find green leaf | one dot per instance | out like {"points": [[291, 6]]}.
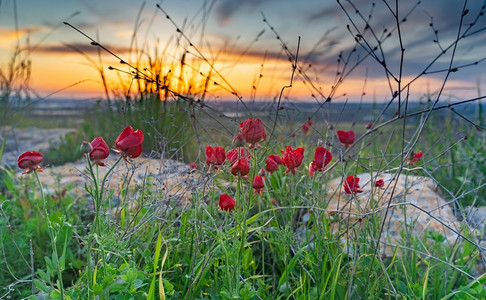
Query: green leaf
{"points": [[41, 285], [43, 275], [2, 148], [161, 283]]}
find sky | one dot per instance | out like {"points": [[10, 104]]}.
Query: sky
{"points": [[346, 51]]}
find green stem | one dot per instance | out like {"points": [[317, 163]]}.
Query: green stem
{"points": [[96, 227], [99, 190], [241, 199], [52, 236]]}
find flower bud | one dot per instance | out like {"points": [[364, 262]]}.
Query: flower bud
{"points": [[86, 147]]}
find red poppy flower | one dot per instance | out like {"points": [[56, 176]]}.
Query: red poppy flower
{"points": [[253, 131], [241, 167], [258, 184], [306, 126], [215, 156], [272, 163], [129, 142], [193, 165], [100, 151], [30, 161], [380, 183], [226, 202], [351, 185], [233, 154], [416, 157], [346, 137], [322, 157], [292, 158]]}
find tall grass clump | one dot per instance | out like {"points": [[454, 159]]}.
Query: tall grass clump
{"points": [[14, 84], [335, 202]]}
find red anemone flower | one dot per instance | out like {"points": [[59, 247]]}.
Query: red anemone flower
{"points": [[100, 151], [292, 158], [241, 167], [253, 131], [258, 184], [226, 202], [129, 142], [272, 163], [351, 185], [416, 157], [380, 183], [30, 161], [215, 156], [322, 157], [346, 137], [306, 126]]}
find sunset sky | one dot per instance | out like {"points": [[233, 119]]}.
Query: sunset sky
{"points": [[239, 46]]}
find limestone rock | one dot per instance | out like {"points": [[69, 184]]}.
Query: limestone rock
{"points": [[20, 140], [412, 203], [476, 216], [170, 180]]}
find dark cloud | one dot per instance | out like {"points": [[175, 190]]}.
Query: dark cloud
{"points": [[114, 11], [325, 13], [423, 47], [227, 8], [85, 48]]}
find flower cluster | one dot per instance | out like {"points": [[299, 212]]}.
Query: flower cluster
{"points": [[251, 133]]}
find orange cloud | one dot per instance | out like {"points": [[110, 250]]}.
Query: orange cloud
{"points": [[10, 37]]}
